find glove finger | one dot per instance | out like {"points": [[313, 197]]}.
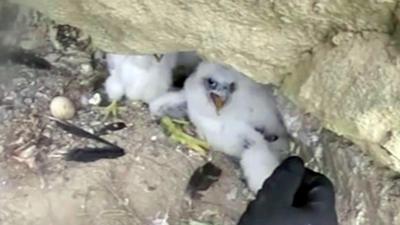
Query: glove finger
{"points": [[321, 194], [279, 189]]}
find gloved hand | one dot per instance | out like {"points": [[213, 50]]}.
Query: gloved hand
{"points": [[293, 195]]}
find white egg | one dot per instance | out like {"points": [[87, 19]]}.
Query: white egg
{"points": [[62, 108]]}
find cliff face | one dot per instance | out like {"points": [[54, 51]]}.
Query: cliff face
{"points": [[338, 60], [335, 59]]}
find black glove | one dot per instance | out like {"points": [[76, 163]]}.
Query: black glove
{"points": [[293, 195]]}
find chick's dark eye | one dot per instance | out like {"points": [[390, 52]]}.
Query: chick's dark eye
{"points": [[232, 87], [271, 138], [212, 84]]}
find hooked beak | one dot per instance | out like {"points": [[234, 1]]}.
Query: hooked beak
{"points": [[158, 57], [218, 101]]}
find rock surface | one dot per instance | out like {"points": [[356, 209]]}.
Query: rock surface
{"points": [[362, 187], [336, 59]]}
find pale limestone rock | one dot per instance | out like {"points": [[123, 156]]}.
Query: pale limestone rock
{"points": [[261, 38], [354, 89], [333, 57]]}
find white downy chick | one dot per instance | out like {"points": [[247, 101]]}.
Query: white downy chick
{"points": [[235, 115], [139, 77], [220, 100]]}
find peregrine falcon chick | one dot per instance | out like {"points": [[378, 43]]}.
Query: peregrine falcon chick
{"points": [[138, 77], [234, 114], [217, 96]]}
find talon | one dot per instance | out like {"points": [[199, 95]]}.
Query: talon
{"points": [[175, 132], [112, 110]]}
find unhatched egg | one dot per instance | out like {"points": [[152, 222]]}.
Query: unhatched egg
{"points": [[62, 108]]}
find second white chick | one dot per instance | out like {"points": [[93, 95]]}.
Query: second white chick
{"points": [[139, 77]]}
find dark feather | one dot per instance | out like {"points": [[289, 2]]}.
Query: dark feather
{"points": [[93, 154], [72, 129], [20, 56], [111, 127], [202, 179], [112, 151]]}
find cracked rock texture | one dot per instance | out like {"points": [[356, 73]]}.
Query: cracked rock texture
{"points": [[336, 59]]}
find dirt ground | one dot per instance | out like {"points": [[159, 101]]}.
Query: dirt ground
{"points": [[147, 185], [37, 186]]}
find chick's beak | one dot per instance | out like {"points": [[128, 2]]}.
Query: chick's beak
{"points": [[218, 101]]}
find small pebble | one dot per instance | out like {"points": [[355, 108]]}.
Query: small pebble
{"points": [[95, 123], [86, 69], [95, 99], [153, 138], [126, 202], [232, 194], [62, 108], [28, 101]]}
